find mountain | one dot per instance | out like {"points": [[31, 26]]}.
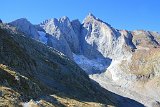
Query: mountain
{"points": [[31, 70], [121, 61], [134, 55], [100, 39], [134, 59], [49, 35], [34, 74]]}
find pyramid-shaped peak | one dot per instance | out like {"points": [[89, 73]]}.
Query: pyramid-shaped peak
{"points": [[22, 20], [90, 15]]}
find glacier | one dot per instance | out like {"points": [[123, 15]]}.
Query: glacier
{"points": [[91, 66]]}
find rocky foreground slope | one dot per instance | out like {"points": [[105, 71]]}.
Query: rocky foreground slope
{"points": [[124, 62]]}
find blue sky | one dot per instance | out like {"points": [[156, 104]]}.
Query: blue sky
{"points": [[121, 14]]}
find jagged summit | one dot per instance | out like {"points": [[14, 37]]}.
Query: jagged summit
{"points": [[53, 20], [63, 18], [90, 15]]}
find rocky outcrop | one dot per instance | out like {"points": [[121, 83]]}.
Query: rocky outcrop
{"points": [[146, 38]]}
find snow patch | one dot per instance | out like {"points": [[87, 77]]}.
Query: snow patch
{"points": [[91, 66], [42, 37], [26, 104], [114, 69], [30, 103]]}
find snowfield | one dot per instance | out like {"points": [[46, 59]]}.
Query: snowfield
{"points": [[91, 66]]}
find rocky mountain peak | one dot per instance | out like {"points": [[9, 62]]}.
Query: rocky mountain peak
{"points": [[52, 21], [91, 15], [26, 27], [91, 19], [64, 18], [22, 20]]}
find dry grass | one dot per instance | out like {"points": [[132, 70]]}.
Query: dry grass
{"points": [[143, 62]]}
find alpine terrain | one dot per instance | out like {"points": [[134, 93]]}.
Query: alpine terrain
{"points": [[63, 62]]}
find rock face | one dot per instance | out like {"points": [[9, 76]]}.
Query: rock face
{"points": [[101, 40], [57, 38], [68, 32]]}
